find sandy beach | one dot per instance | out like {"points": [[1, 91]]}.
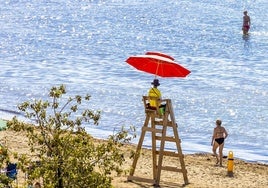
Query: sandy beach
{"points": [[201, 169]]}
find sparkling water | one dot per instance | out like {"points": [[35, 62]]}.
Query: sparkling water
{"points": [[83, 44]]}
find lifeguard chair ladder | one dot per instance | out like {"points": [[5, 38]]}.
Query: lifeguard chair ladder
{"points": [[155, 119]]}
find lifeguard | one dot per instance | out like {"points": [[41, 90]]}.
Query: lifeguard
{"points": [[154, 92]]}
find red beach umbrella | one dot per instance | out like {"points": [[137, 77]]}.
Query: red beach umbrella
{"points": [[158, 64]]}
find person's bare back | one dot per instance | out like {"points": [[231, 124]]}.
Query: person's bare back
{"points": [[219, 132]]}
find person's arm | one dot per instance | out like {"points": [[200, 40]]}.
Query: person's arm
{"points": [[225, 133], [159, 94], [213, 137]]}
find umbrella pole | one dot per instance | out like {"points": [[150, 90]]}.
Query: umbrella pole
{"points": [[157, 68]]}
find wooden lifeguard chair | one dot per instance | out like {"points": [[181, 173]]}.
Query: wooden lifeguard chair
{"points": [[157, 122]]}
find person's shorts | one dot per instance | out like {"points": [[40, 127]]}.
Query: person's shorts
{"points": [[246, 27]]}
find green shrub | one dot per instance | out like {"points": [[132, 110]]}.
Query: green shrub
{"points": [[66, 155]]}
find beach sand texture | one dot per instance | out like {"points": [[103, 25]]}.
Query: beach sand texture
{"points": [[202, 172]]}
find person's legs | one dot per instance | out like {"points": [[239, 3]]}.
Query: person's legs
{"points": [[221, 153], [245, 30], [214, 149]]}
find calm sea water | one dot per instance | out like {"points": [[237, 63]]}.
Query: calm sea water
{"points": [[84, 44]]}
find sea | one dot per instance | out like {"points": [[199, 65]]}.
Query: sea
{"points": [[84, 44]]}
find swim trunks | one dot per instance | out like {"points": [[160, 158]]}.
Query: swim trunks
{"points": [[246, 27], [219, 140]]}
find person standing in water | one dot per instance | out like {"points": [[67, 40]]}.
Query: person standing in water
{"points": [[246, 23], [218, 137]]}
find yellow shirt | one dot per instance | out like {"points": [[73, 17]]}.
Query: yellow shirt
{"points": [[154, 92]]}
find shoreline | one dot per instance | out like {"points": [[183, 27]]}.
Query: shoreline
{"points": [[184, 151], [225, 153]]}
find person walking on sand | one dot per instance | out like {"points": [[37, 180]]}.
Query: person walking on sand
{"points": [[246, 23], [218, 137]]}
